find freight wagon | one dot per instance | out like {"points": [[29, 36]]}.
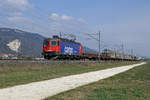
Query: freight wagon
{"points": [[113, 55]]}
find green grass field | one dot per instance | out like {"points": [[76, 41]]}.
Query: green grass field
{"points": [[26, 73], [131, 85]]}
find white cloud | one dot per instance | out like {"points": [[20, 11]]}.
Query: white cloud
{"points": [[16, 5], [81, 20], [18, 2], [17, 19], [12, 11], [54, 16], [16, 14], [58, 23], [65, 23], [65, 17]]}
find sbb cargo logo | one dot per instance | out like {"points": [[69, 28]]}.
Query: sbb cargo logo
{"points": [[68, 50]]}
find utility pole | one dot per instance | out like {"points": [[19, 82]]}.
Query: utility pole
{"points": [[122, 46], [132, 52], [99, 43], [60, 35], [99, 46]]}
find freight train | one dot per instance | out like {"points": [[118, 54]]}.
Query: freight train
{"points": [[61, 48]]}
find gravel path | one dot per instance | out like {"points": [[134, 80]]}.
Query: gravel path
{"points": [[43, 89]]}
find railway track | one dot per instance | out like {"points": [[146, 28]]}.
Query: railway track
{"points": [[41, 62], [10, 62]]}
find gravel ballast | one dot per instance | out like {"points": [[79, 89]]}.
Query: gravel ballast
{"points": [[44, 89]]}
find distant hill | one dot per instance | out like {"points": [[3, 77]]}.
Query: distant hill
{"points": [[25, 43], [31, 43]]}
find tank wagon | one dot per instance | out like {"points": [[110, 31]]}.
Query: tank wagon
{"points": [[61, 48]]}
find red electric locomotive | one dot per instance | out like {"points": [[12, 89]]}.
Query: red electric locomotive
{"points": [[61, 48]]}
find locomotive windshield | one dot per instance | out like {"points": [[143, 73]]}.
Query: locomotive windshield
{"points": [[54, 43], [46, 43]]}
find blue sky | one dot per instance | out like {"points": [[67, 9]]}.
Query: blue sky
{"points": [[120, 21], [96, 10]]}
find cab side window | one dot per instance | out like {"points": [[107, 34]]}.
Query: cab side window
{"points": [[46, 43]]}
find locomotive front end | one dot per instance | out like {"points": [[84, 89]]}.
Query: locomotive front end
{"points": [[51, 48]]}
